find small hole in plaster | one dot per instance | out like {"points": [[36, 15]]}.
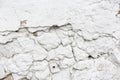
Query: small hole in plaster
{"points": [[53, 66]]}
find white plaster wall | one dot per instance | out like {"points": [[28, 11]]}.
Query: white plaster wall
{"points": [[59, 39]]}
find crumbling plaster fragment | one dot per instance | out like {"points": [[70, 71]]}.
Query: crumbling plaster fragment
{"points": [[49, 41], [100, 70], [59, 40]]}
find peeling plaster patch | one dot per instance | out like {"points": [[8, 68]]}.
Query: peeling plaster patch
{"points": [[23, 61], [26, 43], [66, 51], [4, 69], [65, 36], [97, 71], [20, 64], [43, 74], [41, 70], [62, 74], [80, 54], [2, 72], [66, 63], [38, 53], [52, 55], [7, 51], [39, 66], [59, 40], [49, 40]]}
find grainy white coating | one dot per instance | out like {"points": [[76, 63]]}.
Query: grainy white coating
{"points": [[59, 39]]}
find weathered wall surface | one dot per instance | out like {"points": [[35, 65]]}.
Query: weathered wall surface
{"points": [[59, 40]]}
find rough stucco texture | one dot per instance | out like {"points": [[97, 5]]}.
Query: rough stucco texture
{"points": [[59, 39]]}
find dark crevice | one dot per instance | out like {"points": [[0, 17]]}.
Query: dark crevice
{"points": [[25, 78], [54, 27], [91, 57]]}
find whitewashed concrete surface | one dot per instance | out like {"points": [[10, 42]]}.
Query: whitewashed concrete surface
{"points": [[59, 39]]}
